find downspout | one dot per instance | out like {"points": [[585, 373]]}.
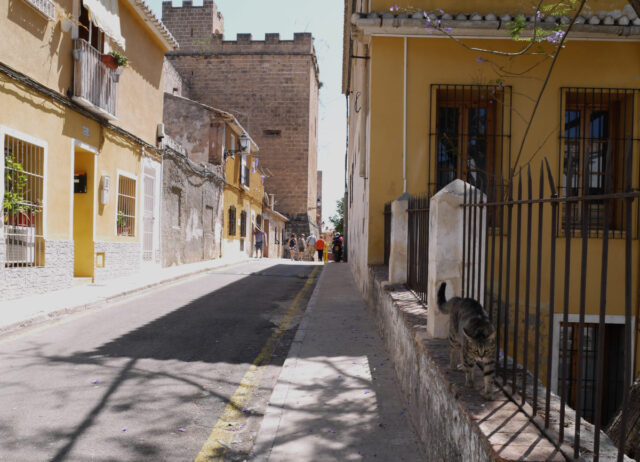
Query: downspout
{"points": [[404, 121]]}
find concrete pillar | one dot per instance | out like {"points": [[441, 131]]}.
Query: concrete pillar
{"points": [[398, 255], [446, 226]]}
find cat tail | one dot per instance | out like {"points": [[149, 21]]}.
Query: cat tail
{"points": [[442, 299]]}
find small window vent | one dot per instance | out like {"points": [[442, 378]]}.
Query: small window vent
{"points": [[272, 132]]}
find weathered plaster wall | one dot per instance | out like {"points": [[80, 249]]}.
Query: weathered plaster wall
{"points": [[174, 84], [192, 212]]}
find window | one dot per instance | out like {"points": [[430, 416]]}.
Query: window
{"points": [[471, 133], [613, 369], [23, 203], [232, 221], [243, 224], [259, 221], [244, 171], [596, 121], [89, 32], [126, 215], [272, 133]]}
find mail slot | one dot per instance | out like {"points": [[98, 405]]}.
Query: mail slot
{"points": [[79, 182]]}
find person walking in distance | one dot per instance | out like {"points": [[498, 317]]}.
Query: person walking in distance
{"points": [[320, 245], [302, 247], [293, 245], [311, 247], [259, 239]]}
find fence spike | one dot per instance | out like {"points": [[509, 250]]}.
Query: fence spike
{"points": [[552, 185]]}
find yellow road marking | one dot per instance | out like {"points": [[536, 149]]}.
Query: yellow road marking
{"points": [[220, 438]]}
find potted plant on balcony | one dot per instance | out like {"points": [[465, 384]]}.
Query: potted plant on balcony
{"points": [[17, 210], [115, 61], [121, 222]]}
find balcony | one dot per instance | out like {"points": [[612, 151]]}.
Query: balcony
{"points": [[94, 84], [44, 7]]}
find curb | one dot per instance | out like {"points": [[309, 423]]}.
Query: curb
{"points": [[43, 318], [273, 415]]}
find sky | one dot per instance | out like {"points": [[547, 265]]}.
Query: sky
{"points": [[324, 19]]}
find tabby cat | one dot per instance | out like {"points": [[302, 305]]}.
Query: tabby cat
{"points": [[471, 333]]}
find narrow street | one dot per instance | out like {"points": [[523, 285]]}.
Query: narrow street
{"points": [[150, 377]]}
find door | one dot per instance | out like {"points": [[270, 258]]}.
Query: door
{"points": [[267, 238], [83, 212], [149, 216]]}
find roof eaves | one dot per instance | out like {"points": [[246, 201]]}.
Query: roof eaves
{"points": [[463, 24], [156, 25]]}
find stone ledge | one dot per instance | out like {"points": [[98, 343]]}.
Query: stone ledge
{"points": [[454, 422]]}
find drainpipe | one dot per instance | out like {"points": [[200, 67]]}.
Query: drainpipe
{"points": [[404, 121]]}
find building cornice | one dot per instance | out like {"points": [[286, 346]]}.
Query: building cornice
{"points": [[491, 26]]}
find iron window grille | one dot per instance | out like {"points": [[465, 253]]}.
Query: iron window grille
{"points": [[470, 134], [23, 203], [126, 217], [232, 221], [243, 224], [597, 125]]}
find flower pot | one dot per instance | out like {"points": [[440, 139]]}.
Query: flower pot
{"points": [[109, 61], [21, 219]]}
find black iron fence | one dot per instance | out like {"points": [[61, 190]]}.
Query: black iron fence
{"points": [[418, 246], [387, 232], [564, 325]]}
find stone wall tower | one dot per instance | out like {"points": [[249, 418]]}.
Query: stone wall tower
{"points": [[191, 25], [271, 86]]}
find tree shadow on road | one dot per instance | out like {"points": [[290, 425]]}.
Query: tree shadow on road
{"points": [[193, 356]]}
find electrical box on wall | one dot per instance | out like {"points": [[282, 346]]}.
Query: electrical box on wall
{"points": [[79, 182], [105, 185]]}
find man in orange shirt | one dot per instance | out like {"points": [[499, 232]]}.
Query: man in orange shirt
{"points": [[320, 245]]}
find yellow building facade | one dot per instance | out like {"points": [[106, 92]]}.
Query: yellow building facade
{"points": [[419, 77], [79, 141], [243, 195]]}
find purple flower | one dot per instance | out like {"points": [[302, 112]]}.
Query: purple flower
{"points": [[182, 430], [441, 10], [447, 29], [95, 381], [366, 392], [331, 431], [480, 59], [555, 37], [394, 7]]}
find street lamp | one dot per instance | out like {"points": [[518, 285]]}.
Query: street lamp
{"points": [[244, 146], [319, 203]]}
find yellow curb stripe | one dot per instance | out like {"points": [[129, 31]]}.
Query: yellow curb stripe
{"points": [[220, 438]]}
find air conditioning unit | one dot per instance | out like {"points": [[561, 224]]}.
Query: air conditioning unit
{"points": [[21, 244]]}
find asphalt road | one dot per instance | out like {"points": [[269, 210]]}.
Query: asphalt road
{"points": [[150, 377]]}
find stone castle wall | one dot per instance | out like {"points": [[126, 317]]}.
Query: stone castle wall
{"points": [[271, 86], [191, 24]]}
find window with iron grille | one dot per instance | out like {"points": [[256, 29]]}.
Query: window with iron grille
{"points": [[232, 221], [243, 224], [23, 205], [470, 132], [126, 215], [596, 121], [585, 388]]}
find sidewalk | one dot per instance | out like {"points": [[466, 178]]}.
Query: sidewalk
{"points": [[336, 398], [22, 312]]}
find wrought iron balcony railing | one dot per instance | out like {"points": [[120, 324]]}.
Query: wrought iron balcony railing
{"points": [[94, 84]]}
